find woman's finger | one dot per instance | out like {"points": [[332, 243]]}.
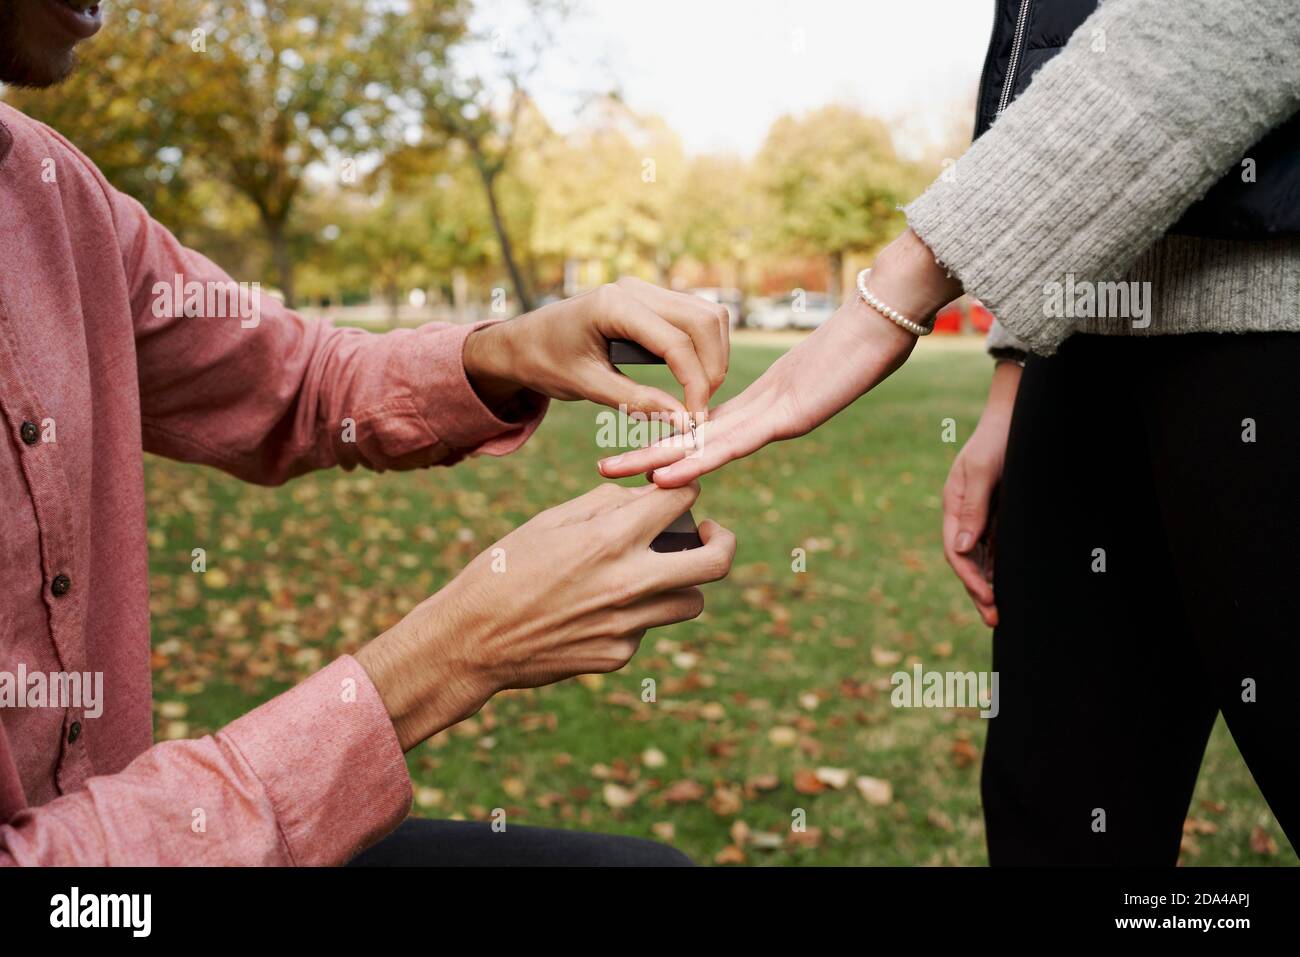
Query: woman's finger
{"points": [[719, 442], [664, 452], [971, 574], [962, 486]]}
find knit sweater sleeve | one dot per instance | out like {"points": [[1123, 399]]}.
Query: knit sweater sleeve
{"points": [[1145, 108]]}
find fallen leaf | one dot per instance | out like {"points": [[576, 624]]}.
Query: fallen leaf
{"points": [[885, 657], [807, 782], [964, 753], [684, 792], [837, 778], [713, 711], [782, 736], [877, 793], [812, 837], [429, 797], [1262, 843], [729, 855], [726, 801], [936, 818], [617, 796]]}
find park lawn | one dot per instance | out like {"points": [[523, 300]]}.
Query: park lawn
{"points": [[784, 674]]}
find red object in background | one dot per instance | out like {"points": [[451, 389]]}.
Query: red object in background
{"points": [[951, 319], [948, 319], [981, 320]]}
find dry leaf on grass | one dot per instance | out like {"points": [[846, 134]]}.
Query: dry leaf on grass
{"points": [[837, 778], [1262, 843], [807, 782], [877, 793], [684, 792], [617, 796]]}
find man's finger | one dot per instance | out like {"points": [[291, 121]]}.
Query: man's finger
{"points": [[704, 321], [600, 500], [647, 515], [654, 611], [610, 387], [695, 566], [623, 317]]}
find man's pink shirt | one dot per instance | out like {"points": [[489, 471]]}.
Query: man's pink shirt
{"points": [[97, 366]]}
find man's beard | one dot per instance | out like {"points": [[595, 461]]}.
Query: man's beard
{"points": [[16, 67]]}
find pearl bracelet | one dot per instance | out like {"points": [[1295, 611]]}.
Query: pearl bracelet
{"points": [[893, 315]]}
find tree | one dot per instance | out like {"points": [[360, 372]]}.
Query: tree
{"points": [[479, 99], [256, 93], [835, 183], [715, 213], [421, 221], [606, 190]]}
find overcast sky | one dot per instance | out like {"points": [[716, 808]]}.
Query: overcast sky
{"points": [[721, 70]]}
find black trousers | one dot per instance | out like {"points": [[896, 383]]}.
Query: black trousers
{"points": [[1174, 464], [421, 842]]}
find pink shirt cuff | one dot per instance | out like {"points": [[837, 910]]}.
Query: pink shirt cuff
{"points": [[328, 757], [454, 411]]}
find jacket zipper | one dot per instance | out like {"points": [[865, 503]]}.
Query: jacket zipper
{"points": [[1013, 65], [989, 58]]}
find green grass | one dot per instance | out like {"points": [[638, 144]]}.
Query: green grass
{"points": [[785, 672]]}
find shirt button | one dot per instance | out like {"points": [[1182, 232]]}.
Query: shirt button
{"points": [[29, 432], [74, 732], [61, 585]]}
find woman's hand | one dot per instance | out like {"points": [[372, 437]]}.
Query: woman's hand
{"points": [[570, 592], [562, 350], [847, 356], [969, 496]]}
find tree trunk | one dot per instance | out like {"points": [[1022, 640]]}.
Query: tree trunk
{"points": [[507, 250], [836, 278], [393, 293], [282, 260]]}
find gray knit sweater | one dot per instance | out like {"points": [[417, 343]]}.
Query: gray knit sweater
{"points": [[1077, 182]]}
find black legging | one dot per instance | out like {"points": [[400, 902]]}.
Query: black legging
{"points": [[1110, 681], [422, 842]]}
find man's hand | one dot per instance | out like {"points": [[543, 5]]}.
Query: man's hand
{"points": [[570, 592], [969, 520], [561, 350]]}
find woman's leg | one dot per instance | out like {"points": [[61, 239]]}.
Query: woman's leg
{"points": [[1224, 419], [428, 843], [1104, 705]]}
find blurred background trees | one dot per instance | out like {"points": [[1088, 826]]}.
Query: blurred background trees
{"points": [[393, 155]]}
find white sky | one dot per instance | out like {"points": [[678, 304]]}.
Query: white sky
{"points": [[720, 71]]}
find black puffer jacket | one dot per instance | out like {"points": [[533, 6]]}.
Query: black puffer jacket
{"points": [[1028, 33]]}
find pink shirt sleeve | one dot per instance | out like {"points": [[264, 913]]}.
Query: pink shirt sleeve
{"points": [[310, 778], [230, 377]]}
